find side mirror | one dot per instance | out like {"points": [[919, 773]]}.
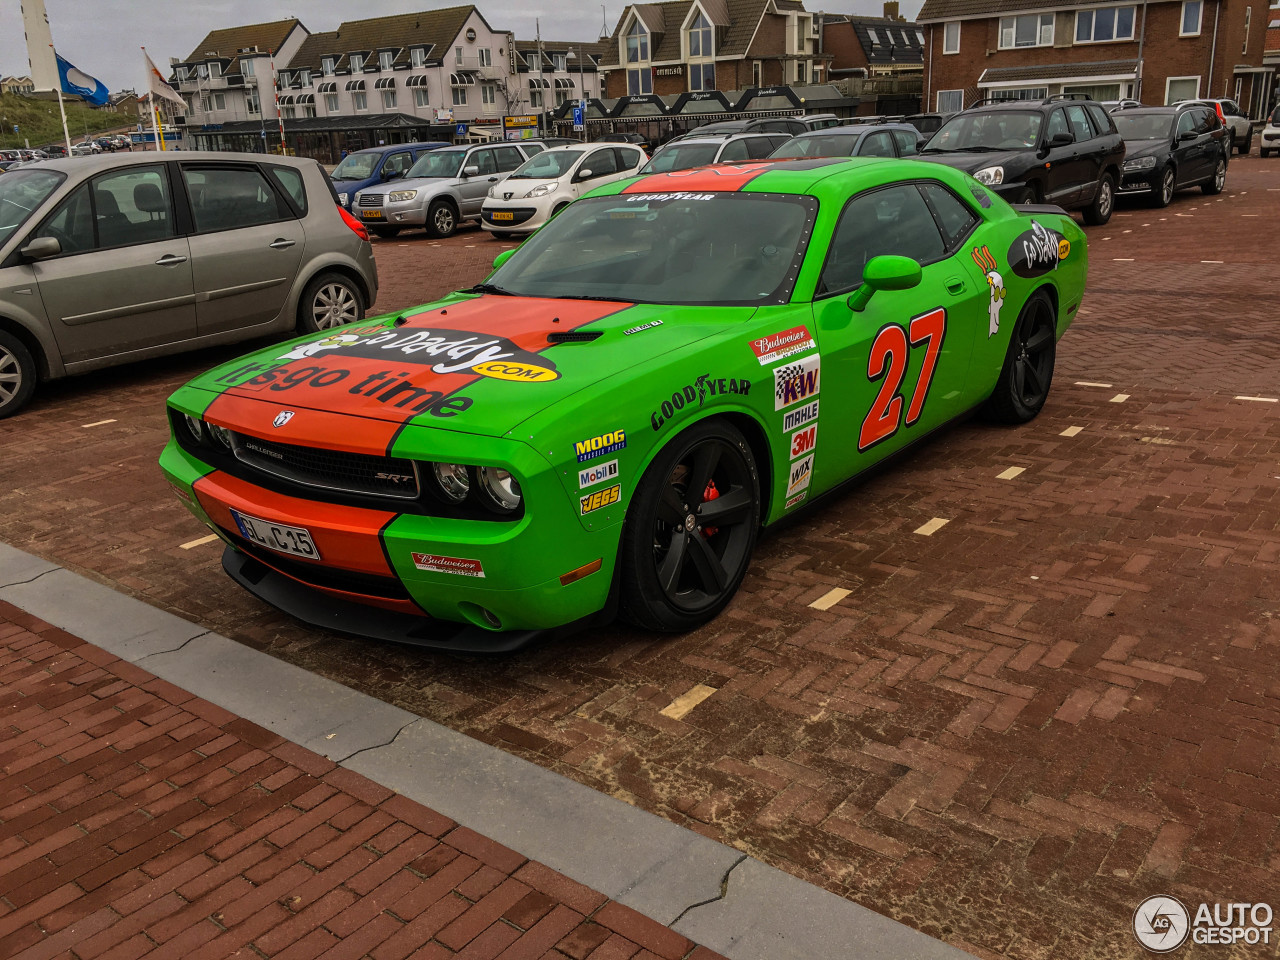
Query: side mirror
{"points": [[1061, 140], [42, 248], [393, 175], [502, 258], [583, 174], [884, 273], [471, 171], [1187, 135]]}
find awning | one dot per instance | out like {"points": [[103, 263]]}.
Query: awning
{"points": [[286, 100], [462, 80], [539, 83], [329, 86], [564, 83], [384, 83], [355, 84], [305, 98], [416, 80], [1047, 73]]}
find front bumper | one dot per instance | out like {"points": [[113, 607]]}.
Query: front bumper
{"points": [[1140, 181], [525, 215], [409, 213]]}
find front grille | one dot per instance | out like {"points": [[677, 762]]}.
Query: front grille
{"points": [[348, 581], [370, 200], [357, 473]]}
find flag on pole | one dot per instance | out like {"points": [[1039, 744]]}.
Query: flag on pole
{"points": [[158, 85], [77, 82]]}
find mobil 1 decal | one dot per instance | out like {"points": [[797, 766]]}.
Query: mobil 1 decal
{"points": [[1038, 251], [888, 362], [796, 381]]}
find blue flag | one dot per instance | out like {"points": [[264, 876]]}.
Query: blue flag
{"points": [[81, 84]]}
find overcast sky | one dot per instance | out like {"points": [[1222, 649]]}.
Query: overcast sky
{"points": [[105, 42]]}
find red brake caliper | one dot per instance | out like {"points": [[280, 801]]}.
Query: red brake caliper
{"points": [[711, 493]]}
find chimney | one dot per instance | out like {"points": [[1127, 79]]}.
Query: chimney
{"points": [[891, 10]]}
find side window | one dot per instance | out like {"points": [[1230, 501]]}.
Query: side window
{"points": [[876, 145], [906, 143], [1079, 121], [894, 220], [132, 206], [397, 163], [290, 180], [1186, 122], [627, 159], [1057, 125], [954, 216], [508, 158], [484, 160], [71, 224], [600, 163], [228, 198], [734, 150], [760, 147], [1100, 119], [533, 148], [1204, 120]]}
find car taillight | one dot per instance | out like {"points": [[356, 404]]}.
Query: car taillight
{"points": [[1222, 117], [354, 224]]}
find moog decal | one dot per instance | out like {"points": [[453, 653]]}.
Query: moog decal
{"points": [[598, 446]]}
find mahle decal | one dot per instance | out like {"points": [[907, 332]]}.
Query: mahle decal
{"points": [[797, 418], [600, 499], [697, 393], [598, 446]]}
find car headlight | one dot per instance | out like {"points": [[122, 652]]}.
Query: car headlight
{"points": [[499, 490], [221, 436], [400, 196], [541, 190], [990, 175], [493, 193], [195, 427], [1140, 163], [342, 199], [453, 479]]}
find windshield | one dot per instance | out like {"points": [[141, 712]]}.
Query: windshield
{"points": [[547, 166], [21, 192], [828, 146], [681, 156], [691, 248], [356, 166], [997, 130], [1151, 126], [438, 163], [1275, 117]]}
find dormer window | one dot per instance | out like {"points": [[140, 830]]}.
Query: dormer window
{"points": [[559, 62], [357, 62], [637, 43], [304, 77], [385, 59], [326, 66], [700, 37], [418, 57]]}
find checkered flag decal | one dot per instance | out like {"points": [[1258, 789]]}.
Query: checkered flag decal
{"points": [[784, 375]]}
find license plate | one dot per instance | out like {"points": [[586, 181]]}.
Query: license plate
{"points": [[295, 541], [371, 214], [503, 215]]}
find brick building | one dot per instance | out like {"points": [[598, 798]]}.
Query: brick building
{"points": [[1159, 51], [872, 46]]}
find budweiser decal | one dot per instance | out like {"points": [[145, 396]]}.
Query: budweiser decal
{"points": [[784, 344], [459, 565]]}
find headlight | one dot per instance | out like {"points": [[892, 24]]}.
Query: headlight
{"points": [[493, 193], [400, 196], [990, 175], [221, 435], [499, 490], [1140, 163], [453, 479], [342, 199], [541, 190], [195, 427]]}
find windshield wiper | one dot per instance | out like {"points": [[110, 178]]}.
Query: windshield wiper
{"points": [[585, 296], [489, 288]]}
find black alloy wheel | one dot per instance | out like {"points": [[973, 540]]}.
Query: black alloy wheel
{"points": [[1027, 373], [1163, 194], [1099, 212], [1214, 186]]}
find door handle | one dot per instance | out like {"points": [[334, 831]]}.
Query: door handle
{"points": [[281, 243], [170, 260], [493, 179], [955, 286]]}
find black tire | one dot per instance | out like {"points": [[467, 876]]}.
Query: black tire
{"points": [[557, 210], [330, 300], [386, 232], [1263, 152], [673, 578], [1213, 186], [501, 234], [1104, 202], [442, 219], [18, 374], [1248, 144], [1162, 195], [1027, 373]]}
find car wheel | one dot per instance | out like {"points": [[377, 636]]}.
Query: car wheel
{"points": [[17, 374], [1248, 144], [1099, 212], [330, 300], [1163, 194], [1027, 373], [386, 232], [501, 234], [690, 530], [1264, 152], [442, 219], [1214, 186]]}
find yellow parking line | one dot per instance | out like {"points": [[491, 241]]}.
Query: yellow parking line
{"points": [[682, 704], [1010, 473], [199, 543], [1261, 399], [1090, 383], [99, 423], [932, 527], [1120, 398], [1070, 431], [830, 598]]}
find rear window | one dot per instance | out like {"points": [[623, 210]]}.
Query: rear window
{"points": [[823, 146], [290, 181], [228, 198]]}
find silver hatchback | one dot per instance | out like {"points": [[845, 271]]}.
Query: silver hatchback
{"points": [[111, 259]]}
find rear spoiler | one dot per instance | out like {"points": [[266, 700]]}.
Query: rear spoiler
{"points": [[1031, 209]]}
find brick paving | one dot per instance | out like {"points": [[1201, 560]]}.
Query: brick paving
{"points": [[1010, 732], [140, 821]]}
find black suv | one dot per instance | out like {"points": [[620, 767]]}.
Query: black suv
{"points": [[1063, 150], [1168, 148]]}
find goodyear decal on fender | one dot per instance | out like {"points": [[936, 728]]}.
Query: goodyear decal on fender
{"points": [[598, 446], [793, 382], [804, 440], [600, 499], [598, 474]]}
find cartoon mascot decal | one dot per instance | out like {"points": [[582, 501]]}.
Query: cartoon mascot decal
{"points": [[987, 264]]}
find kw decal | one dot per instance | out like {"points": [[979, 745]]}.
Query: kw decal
{"points": [[987, 264], [598, 446], [794, 419], [600, 499], [598, 474], [779, 346], [697, 392], [793, 382]]}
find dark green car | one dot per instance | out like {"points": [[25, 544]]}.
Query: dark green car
{"points": [[608, 421]]}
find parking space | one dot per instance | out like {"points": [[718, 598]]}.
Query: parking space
{"points": [[1003, 691]]}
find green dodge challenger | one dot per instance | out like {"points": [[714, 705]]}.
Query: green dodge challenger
{"points": [[604, 425]]}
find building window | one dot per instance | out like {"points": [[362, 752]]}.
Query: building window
{"points": [[357, 63], [388, 99], [385, 59], [304, 78], [326, 66], [702, 76], [757, 72], [950, 101], [204, 104], [486, 57], [1019, 93], [421, 97], [801, 72], [1031, 30], [700, 37], [309, 110], [417, 57], [951, 37], [562, 97], [535, 99], [246, 68], [1192, 11], [251, 102], [219, 101], [288, 112], [457, 55], [331, 103], [488, 94], [202, 71], [459, 96], [1103, 24], [637, 43], [1244, 48], [1181, 88], [639, 82], [215, 69], [802, 27], [360, 101]]}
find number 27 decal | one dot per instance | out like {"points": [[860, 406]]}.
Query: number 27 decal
{"points": [[888, 361]]}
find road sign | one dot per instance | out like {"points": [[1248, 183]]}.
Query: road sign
{"points": [[579, 118], [460, 130]]}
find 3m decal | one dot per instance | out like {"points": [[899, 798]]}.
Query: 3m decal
{"points": [[644, 326], [987, 264], [598, 446], [697, 393], [792, 501], [1037, 251], [779, 346], [462, 566], [801, 474], [600, 499], [803, 441], [793, 419], [598, 474], [887, 362], [793, 382]]}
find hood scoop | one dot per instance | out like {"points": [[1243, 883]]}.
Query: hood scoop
{"points": [[575, 336]]}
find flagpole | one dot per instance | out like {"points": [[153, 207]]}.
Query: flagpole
{"points": [[61, 109]]}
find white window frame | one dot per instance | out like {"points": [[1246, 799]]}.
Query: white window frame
{"points": [[246, 68], [1093, 21], [418, 57], [360, 101], [947, 47], [388, 99], [1182, 20], [309, 110], [801, 72], [459, 96], [219, 101], [253, 105], [215, 69], [1248, 16], [641, 35], [1170, 80], [535, 99], [959, 94], [1018, 93], [559, 63], [327, 65], [643, 74], [485, 56], [385, 59], [488, 94], [304, 77], [357, 63], [330, 103], [457, 55], [421, 97], [1041, 19], [288, 113]]}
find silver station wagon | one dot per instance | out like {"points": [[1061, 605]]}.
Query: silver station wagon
{"points": [[112, 259]]}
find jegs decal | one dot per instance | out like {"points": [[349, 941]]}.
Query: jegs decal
{"points": [[987, 264], [600, 499], [887, 362], [779, 346], [1037, 251], [793, 382]]}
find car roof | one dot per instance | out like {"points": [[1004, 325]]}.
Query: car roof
{"points": [[390, 147], [1169, 110], [110, 161], [801, 176], [857, 130]]}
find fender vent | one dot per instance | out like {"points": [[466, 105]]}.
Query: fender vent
{"points": [[575, 336]]}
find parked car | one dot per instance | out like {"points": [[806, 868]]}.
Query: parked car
{"points": [[1270, 134], [10, 154], [1127, 103], [55, 149], [1063, 150], [365, 168], [610, 418], [820, 121], [1169, 148], [444, 188], [632, 138], [84, 150], [885, 140], [1235, 119], [927, 123], [6, 164], [713, 148], [132, 256], [544, 185], [788, 125]]}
